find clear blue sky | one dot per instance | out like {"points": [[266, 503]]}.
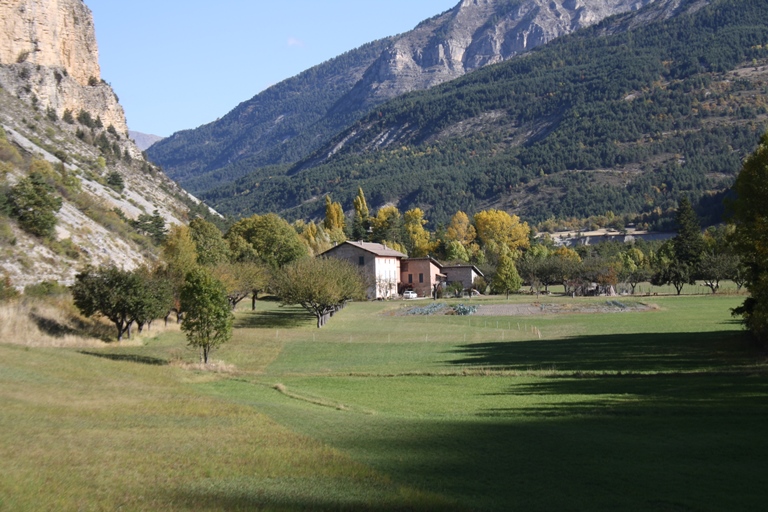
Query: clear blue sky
{"points": [[180, 64]]}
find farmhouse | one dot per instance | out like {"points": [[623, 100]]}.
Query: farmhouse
{"points": [[379, 264], [421, 275], [464, 274]]}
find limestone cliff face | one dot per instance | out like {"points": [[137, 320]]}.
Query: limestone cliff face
{"points": [[474, 34], [50, 57]]}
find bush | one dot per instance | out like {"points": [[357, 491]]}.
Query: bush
{"points": [[45, 289], [115, 181], [85, 119], [34, 204], [9, 153], [7, 291]]}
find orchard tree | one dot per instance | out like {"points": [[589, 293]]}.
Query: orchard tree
{"points": [[153, 298], [207, 314], [322, 286], [121, 296], [667, 269], [242, 279]]}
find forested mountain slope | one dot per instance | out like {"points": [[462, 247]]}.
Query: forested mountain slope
{"points": [[290, 120], [623, 117]]}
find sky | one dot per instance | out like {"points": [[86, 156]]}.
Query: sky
{"points": [[176, 64]]}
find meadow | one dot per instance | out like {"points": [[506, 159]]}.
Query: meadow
{"points": [[661, 408]]}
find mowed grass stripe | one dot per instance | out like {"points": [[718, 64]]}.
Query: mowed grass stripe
{"points": [[85, 433]]}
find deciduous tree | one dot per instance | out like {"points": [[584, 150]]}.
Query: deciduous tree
{"points": [[322, 286], [207, 315], [210, 246], [499, 231], [272, 239], [750, 216]]}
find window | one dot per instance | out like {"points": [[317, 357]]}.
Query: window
{"points": [[410, 278], [421, 278], [361, 260]]}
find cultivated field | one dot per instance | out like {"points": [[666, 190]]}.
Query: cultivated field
{"points": [[647, 403]]}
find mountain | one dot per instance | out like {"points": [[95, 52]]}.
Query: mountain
{"points": [[143, 140], [62, 127], [290, 120], [621, 117]]}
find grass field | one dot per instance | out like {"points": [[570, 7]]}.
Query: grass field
{"points": [[663, 409]]}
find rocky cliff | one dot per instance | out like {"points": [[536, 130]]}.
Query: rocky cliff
{"points": [[59, 120], [472, 35], [49, 58]]}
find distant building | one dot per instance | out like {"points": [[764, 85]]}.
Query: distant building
{"points": [[421, 275], [379, 264], [464, 274], [571, 238]]}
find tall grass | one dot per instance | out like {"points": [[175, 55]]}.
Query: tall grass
{"points": [[54, 322]]}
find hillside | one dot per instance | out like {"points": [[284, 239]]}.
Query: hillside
{"points": [[74, 189], [288, 121], [623, 117], [102, 188]]}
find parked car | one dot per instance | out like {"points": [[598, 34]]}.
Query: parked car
{"points": [[409, 294]]}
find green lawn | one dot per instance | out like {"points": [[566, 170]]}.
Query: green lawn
{"points": [[663, 409]]}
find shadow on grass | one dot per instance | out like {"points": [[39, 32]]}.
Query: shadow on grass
{"points": [[52, 327], [654, 352], [296, 496], [282, 318], [689, 442], [131, 358]]}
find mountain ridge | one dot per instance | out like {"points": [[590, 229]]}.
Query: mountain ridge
{"points": [[600, 120], [295, 119]]}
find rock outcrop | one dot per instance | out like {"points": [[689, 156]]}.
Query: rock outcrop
{"points": [[472, 35], [49, 57]]}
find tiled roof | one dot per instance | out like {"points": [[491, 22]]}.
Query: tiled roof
{"points": [[377, 249]]}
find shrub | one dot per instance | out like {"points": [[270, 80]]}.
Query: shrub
{"points": [[34, 204], [7, 291], [85, 119], [115, 181], [9, 153], [45, 289]]}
